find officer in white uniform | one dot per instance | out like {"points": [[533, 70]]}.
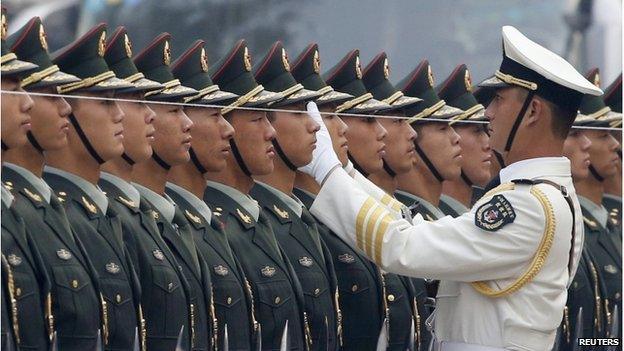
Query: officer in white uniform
{"points": [[504, 265]]}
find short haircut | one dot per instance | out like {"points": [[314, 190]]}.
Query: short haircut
{"points": [[561, 117]]}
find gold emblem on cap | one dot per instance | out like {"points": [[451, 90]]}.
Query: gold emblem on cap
{"points": [[386, 68], [597, 80], [5, 27], [203, 60], [316, 62], [247, 59], [102, 43], [128, 45], [430, 76], [468, 81], [285, 60], [167, 54], [42, 38], [358, 68]]}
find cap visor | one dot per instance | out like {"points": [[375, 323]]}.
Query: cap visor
{"points": [[112, 83], [17, 68], [302, 95], [263, 98], [54, 79], [333, 97], [493, 82], [173, 94], [369, 106]]}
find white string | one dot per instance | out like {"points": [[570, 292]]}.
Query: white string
{"points": [[264, 109]]}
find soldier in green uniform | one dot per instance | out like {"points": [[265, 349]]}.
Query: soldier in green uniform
{"points": [[72, 171], [276, 290], [211, 134], [24, 282], [457, 193], [295, 228], [172, 141], [359, 280], [74, 300], [612, 199], [366, 158], [164, 308], [600, 237]]}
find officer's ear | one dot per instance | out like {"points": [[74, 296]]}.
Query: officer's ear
{"points": [[536, 113]]}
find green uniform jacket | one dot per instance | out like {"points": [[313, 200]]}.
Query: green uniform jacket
{"points": [[164, 289], [76, 304], [102, 238], [277, 296], [228, 282], [316, 274]]}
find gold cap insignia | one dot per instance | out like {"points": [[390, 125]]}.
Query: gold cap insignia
{"points": [[32, 195], [91, 207], [280, 212], [167, 54], [468, 81], [102, 44], [386, 68], [243, 216], [247, 59], [112, 268], [285, 60], [5, 27], [268, 271], [358, 68], [597, 80], [316, 62], [203, 60], [128, 45], [192, 217], [42, 38], [430, 76]]}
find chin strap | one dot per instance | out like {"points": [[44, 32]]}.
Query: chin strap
{"points": [[160, 161], [357, 165], [84, 139], [465, 178], [388, 169], [428, 163], [33, 141], [127, 159], [595, 173], [196, 162], [516, 125], [283, 156], [239, 158], [499, 158]]}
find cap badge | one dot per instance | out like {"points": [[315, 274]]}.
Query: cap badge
{"points": [[386, 68], [316, 62], [167, 54], [358, 68], [5, 27], [285, 60], [468, 81], [128, 45], [203, 60], [42, 38], [102, 44], [247, 59], [597, 80], [268, 271], [63, 254], [430, 76]]}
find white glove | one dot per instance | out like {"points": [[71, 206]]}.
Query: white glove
{"points": [[324, 159]]}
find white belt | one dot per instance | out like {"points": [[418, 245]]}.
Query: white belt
{"points": [[460, 346]]}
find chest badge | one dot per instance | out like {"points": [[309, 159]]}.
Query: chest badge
{"points": [[346, 258], [158, 255], [63, 254], [221, 270], [112, 268], [268, 271], [14, 260], [610, 269], [306, 261]]}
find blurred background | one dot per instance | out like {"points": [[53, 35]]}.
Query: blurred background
{"points": [[446, 32]]}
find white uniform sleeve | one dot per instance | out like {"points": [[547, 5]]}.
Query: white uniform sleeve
{"points": [[390, 203], [447, 249]]}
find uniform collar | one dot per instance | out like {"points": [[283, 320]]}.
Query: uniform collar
{"points": [[454, 204], [36, 182], [612, 197], [245, 201], [93, 191], [541, 167], [426, 204], [7, 197], [199, 205], [599, 212], [161, 203], [291, 201], [124, 187]]}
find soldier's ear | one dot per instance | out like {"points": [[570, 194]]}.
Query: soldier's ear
{"points": [[536, 111]]}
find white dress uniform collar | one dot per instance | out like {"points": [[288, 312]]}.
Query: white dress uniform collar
{"points": [[541, 167], [93, 191], [39, 184], [125, 187], [291, 201], [198, 204], [599, 212], [245, 201], [162, 203]]}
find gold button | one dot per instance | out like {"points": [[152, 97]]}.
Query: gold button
{"points": [[354, 288], [229, 300], [74, 283], [390, 297], [317, 291], [18, 292], [118, 298], [277, 300]]}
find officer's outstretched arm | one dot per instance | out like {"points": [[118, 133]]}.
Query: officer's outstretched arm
{"points": [[509, 236]]}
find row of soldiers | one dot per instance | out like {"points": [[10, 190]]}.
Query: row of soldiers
{"points": [[156, 204]]}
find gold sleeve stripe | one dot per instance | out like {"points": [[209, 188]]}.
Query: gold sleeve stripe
{"points": [[395, 205], [370, 226], [359, 221], [379, 235], [386, 200], [538, 259]]}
